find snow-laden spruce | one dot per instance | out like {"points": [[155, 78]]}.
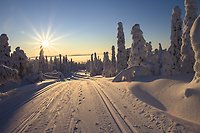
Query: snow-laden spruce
{"points": [[56, 63], [113, 62], [4, 51], [138, 50], [195, 39], [148, 49], [20, 61], [121, 51], [92, 68], [187, 54], [106, 65], [41, 60], [176, 40]]}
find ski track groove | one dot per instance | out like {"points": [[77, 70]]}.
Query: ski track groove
{"points": [[116, 114], [22, 126]]}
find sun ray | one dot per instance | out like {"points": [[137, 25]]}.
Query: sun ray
{"points": [[47, 38], [59, 38]]}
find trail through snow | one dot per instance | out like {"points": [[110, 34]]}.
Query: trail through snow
{"points": [[87, 105]]}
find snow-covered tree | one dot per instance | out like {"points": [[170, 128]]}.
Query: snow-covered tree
{"points": [[113, 56], [56, 64], [106, 65], [46, 64], [98, 65], [88, 66], [4, 50], [195, 39], [50, 65], [92, 68], [95, 63], [165, 63], [121, 51], [60, 62], [148, 48], [34, 66], [138, 50], [113, 62], [20, 61], [187, 54], [41, 60], [7, 73], [176, 40]]}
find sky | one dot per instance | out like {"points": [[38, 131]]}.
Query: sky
{"points": [[83, 26]]}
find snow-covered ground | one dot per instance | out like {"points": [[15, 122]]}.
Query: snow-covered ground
{"points": [[90, 105]]}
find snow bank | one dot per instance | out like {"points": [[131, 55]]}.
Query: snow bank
{"points": [[172, 94], [132, 72]]}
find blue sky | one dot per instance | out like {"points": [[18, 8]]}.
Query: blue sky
{"points": [[84, 26]]}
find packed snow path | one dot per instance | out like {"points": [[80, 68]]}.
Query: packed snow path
{"points": [[88, 105]]}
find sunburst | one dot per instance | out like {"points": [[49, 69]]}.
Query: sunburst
{"points": [[45, 39]]}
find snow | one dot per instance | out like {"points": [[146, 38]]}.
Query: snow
{"points": [[7, 73], [171, 94], [96, 104], [176, 40], [131, 73], [195, 39], [151, 101], [138, 49], [187, 54], [121, 50]]}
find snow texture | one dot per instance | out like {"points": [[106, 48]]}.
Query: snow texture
{"points": [[187, 54], [176, 40], [131, 73], [195, 39]]}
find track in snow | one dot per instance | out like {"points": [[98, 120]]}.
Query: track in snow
{"points": [[121, 121]]}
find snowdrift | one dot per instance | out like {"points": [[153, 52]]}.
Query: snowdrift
{"points": [[130, 73], [173, 94]]}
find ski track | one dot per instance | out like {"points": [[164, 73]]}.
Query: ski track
{"points": [[123, 124], [88, 105]]}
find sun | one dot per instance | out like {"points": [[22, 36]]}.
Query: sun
{"points": [[45, 43]]}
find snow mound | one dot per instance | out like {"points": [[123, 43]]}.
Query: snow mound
{"points": [[133, 72], [173, 95]]}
